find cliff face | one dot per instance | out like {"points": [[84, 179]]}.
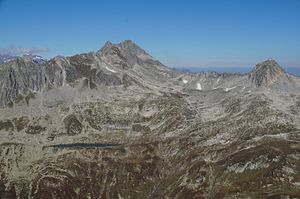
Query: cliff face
{"points": [[23, 75], [121, 64], [119, 124]]}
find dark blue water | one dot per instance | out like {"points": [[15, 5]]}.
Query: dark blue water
{"points": [[242, 70], [83, 145]]}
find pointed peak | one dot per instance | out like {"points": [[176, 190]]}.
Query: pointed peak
{"points": [[125, 43], [269, 63], [106, 47], [108, 43], [266, 73], [128, 41], [126, 46], [132, 47]]}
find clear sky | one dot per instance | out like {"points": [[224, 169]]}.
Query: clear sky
{"points": [[178, 33]]}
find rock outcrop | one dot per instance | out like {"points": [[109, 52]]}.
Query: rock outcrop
{"points": [[267, 73]]}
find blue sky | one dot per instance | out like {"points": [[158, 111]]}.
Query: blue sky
{"points": [[179, 33]]}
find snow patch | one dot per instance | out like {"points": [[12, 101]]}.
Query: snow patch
{"points": [[119, 196], [111, 70], [222, 138], [241, 167], [199, 87], [5, 61], [296, 183], [250, 165], [185, 81], [279, 136], [288, 170], [228, 89]]}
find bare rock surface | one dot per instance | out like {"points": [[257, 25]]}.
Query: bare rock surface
{"points": [[117, 123]]}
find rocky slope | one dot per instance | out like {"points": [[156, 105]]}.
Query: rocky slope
{"points": [[117, 123]]}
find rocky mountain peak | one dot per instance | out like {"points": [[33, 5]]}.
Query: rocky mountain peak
{"points": [[267, 73], [107, 44], [127, 47], [132, 47], [125, 55]]}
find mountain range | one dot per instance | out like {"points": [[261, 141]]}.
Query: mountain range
{"points": [[117, 123]]}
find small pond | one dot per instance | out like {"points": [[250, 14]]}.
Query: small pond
{"points": [[84, 145]]}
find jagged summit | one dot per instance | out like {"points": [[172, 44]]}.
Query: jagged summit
{"points": [[126, 55], [267, 73], [127, 42], [132, 47], [127, 45], [269, 64]]}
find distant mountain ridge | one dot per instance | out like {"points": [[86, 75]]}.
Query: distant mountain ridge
{"points": [[226, 69], [5, 58], [124, 64]]}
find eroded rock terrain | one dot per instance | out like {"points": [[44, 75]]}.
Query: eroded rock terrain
{"points": [[119, 124]]}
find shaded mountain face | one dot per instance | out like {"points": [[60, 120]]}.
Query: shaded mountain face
{"points": [[117, 123]]}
